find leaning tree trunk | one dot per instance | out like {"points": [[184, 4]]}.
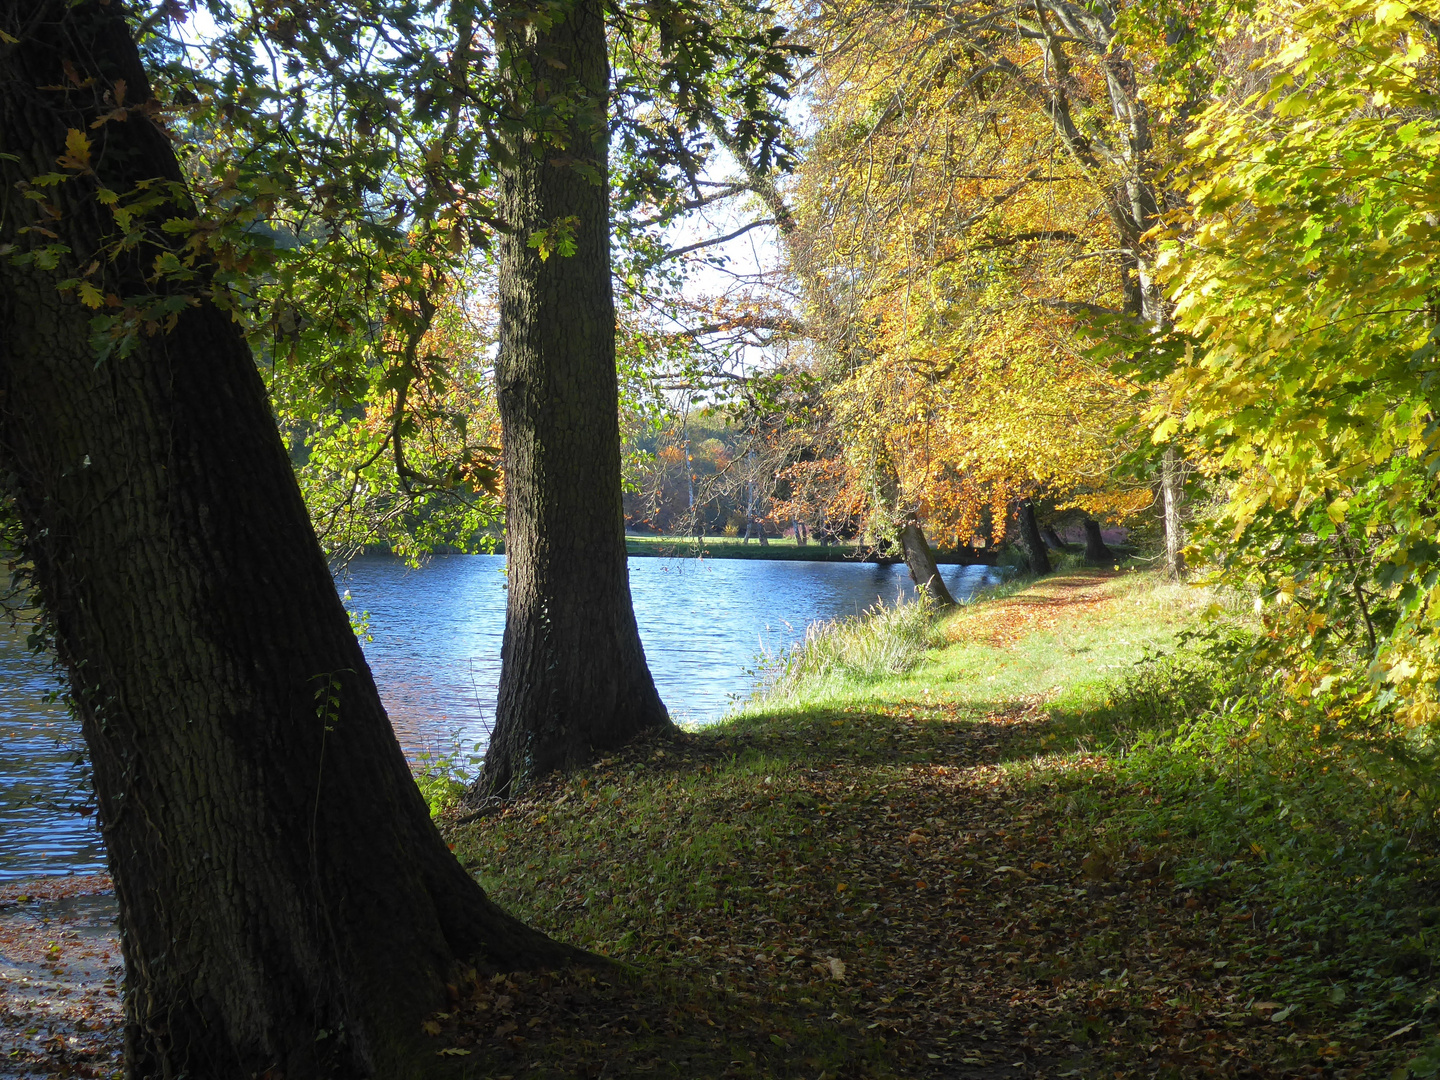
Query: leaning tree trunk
{"points": [[920, 561], [286, 905], [573, 678], [1096, 551], [1030, 538]]}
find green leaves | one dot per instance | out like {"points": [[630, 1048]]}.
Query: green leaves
{"points": [[557, 237], [1301, 371]]}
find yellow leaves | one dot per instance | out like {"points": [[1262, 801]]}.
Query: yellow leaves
{"points": [[1165, 429], [77, 151], [90, 296], [1390, 12]]}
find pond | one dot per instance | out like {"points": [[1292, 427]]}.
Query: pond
{"points": [[435, 654]]}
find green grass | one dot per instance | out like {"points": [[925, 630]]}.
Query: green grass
{"points": [[954, 661], [1172, 806]]}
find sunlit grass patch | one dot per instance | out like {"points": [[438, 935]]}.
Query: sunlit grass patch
{"points": [[1040, 827]]}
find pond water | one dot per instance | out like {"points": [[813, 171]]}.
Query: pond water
{"points": [[435, 654]]}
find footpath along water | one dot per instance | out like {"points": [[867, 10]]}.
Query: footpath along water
{"points": [[436, 659]]}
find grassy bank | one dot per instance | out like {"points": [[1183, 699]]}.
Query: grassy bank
{"points": [[781, 548], [989, 845]]}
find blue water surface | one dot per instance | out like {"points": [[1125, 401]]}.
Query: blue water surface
{"points": [[435, 655]]}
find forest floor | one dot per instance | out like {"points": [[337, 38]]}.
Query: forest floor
{"points": [[59, 973], [994, 863]]}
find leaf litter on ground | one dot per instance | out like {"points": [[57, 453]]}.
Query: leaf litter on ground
{"points": [[882, 887]]}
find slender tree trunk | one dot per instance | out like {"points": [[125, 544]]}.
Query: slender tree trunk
{"points": [[920, 561], [286, 905], [573, 678], [1096, 551], [1030, 539], [1172, 488]]}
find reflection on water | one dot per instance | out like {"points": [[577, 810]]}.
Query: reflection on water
{"points": [[46, 826], [436, 658]]}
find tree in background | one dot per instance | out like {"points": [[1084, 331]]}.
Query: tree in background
{"points": [[573, 675], [959, 232]]}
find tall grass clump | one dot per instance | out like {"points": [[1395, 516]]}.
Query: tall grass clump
{"points": [[883, 641]]}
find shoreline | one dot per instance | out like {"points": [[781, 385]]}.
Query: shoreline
{"points": [[785, 550]]}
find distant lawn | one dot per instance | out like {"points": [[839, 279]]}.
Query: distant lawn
{"points": [[733, 547]]}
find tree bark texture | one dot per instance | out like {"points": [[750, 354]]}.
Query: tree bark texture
{"points": [[1096, 551], [1030, 539], [573, 677], [920, 561], [1172, 489], [286, 905]]}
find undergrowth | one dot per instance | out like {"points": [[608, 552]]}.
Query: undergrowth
{"points": [[1319, 829], [884, 640]]}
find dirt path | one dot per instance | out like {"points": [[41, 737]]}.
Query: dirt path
{"points": [[1041, 607]]}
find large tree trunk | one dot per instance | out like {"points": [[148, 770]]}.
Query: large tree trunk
{"points": [[920, 561], [1172, 488], [573, 678], [286, 905], [1030, 539]]}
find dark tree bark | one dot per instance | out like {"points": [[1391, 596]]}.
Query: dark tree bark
{"points": [[920, 561], [1096, 552], [1052, 537], [573, 678], [286, 905], [1030, 539]]}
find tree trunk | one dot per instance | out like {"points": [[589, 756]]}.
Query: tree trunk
{"points": [[1172, 487], [920, 561], [1096, 553], [573, 678], [1053, 538], [286, 905], [1030, 539]]}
